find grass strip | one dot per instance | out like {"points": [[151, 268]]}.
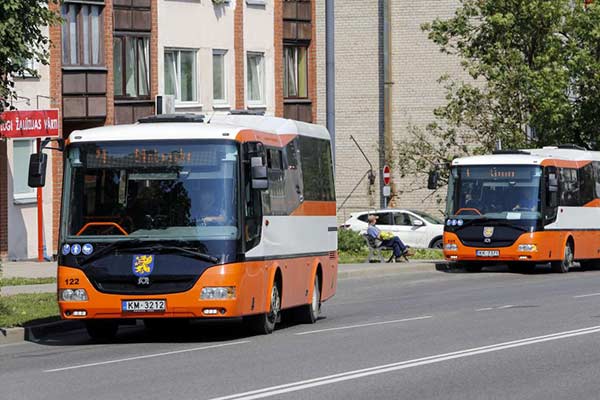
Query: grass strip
{"points": [[361, 256], [26, 309], [26, 281]]}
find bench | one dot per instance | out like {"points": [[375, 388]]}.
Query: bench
{"points": [[376, 250]]}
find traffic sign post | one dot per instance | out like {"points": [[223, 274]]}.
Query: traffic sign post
{"points": [[386, 190]]}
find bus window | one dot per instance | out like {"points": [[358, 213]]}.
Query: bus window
{"points": [[551, 195], [586, 184], [569, 187]]}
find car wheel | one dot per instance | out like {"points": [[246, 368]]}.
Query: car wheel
{"points": [[437, 244]]}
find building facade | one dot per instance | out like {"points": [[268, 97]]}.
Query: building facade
{"points": [[416, 65], [111, 58], [18, 202]]}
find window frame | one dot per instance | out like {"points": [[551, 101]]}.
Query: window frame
{"points": [[79, 36], [224, 102], [261, 103], [124, 37], [30, 195], [286, 84], [196, 94]]}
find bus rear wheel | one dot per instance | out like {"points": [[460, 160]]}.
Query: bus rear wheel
{"points": [[566, 263], [263, 324], [101, 330], [309, 313]]}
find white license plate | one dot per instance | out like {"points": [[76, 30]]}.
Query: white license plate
{"points": [[487, 253], [143, 305]]}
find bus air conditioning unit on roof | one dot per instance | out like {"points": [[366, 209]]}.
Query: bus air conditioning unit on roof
{"points": [[165, 104]]}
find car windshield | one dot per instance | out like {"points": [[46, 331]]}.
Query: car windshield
{"points": [[429, 218], [495, 192], [167, 189]]}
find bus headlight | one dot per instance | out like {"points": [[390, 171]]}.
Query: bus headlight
{"points": [[72, 295], [451, 247], [218, 293], [527, 248]]}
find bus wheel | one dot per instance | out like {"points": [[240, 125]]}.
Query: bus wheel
{"points": [[563, 265], [264, 324], [309, 313], [101, 330]]}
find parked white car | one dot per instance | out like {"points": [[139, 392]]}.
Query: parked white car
{"points": [[414, 228]]}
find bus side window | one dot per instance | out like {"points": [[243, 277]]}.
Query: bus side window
{"points": [[569, 187], [551, 193], [586, 184], [596, 166]]}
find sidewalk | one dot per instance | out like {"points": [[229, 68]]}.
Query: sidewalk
{"points": [[30, 269]]}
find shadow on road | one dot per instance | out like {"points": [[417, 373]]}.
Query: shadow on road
{"points": [[526, 269]]}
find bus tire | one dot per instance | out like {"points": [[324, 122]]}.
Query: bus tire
{"points": [[309, 313], [101, 330], [264, 324], [566, 262]]}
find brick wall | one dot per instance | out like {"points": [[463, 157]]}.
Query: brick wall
{"points": [[56, 102], [416, 66], [154, 50], [238, 44], [3, 200], [278, 35], [108, 57]]}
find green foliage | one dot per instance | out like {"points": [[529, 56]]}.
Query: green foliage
{"points": [[350, 241], [20, 309], [535, 68], [21, 39], [25, 281], [361, 256]]}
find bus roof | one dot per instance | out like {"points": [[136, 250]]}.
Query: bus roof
{"points": [[217, 127], [530, 157]]}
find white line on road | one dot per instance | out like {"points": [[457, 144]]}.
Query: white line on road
{"points": [[496, 308], [168, 353], [381, 369], [586, 295], [363, 325]]}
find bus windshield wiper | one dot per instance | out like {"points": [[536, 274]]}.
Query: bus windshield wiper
{"points": [[108, 248], [183, 250]]}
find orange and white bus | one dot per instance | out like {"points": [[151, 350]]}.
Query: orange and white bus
{"points": [[178, 217], [524, 207]]}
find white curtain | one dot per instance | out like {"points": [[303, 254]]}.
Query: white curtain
{"points": [[95, 35], [85, 28], [171, 81], [255, 78], [143, 62]]}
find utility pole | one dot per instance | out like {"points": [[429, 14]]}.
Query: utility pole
{"points": [[330, 71]]}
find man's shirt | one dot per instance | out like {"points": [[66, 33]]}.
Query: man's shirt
{"points": [[373, 231]]}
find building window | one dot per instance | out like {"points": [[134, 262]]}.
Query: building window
{"points": [[22, 149], [295, 72], [131, 66], [81, 34], [180, 74], [219, 74], [256, 78]]}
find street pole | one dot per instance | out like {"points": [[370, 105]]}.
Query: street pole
{"points": [[388, 143], [330, 71]]}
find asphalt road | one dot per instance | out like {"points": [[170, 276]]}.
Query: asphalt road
{"points": [[436, 335]]}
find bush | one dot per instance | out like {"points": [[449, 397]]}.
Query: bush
{"points": [[350, 241]]}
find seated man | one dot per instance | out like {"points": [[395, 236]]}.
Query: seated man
{"points": [[207, 209], [399, 249], [526, 202]]}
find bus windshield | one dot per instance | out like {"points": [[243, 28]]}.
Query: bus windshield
{"points": [[494, 192], [176, 190]]}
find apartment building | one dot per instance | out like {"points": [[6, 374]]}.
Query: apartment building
{"points": [[416, 65]]}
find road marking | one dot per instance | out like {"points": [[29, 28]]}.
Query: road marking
{"points": [[586, 295], [363, 325], [496, 308], [168, 353], [381, 369]]}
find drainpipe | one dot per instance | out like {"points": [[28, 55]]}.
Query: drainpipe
{"points": [[388, 143], [330, 72]]}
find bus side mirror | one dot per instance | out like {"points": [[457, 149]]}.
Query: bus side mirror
{"points": [[260, 180], [37, 170], [432, 181]]}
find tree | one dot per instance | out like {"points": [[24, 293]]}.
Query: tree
{"points": [[535, 80], [21, 39]]}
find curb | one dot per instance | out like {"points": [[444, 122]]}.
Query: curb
{"points": [[37, 332], [378, 269]]}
